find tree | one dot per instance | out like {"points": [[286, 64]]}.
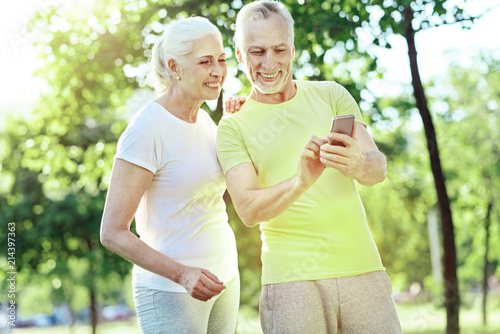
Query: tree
{"points": [[469, 114], [397, 208], [406, 18], [63, 154]]}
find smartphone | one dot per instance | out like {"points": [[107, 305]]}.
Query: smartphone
{"points": [[342, 124]]}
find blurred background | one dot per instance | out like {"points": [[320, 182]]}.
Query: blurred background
{"points": [[73, 73]]}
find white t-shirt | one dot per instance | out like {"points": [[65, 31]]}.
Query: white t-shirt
{"points": [[182, 213]]}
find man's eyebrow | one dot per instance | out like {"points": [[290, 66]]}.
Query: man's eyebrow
{"points": [[272, 46]]}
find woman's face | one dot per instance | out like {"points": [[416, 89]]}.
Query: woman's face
{"points": [[204, 70]]}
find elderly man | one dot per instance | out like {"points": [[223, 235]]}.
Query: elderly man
{"points": [[321, 270]]}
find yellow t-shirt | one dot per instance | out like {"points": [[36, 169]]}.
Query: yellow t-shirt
{"points": [[324, 233]]}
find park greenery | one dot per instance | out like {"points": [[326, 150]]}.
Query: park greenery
{"points": [[55, 166]]}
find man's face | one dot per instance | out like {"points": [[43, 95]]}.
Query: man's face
{"points": [[268, 54]]}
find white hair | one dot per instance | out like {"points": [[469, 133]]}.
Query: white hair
{"points": [[261, 10], [176, 42]]}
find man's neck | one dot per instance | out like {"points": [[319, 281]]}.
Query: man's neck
{"points": [[284, 95]]}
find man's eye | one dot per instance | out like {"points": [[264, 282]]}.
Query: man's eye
{"points": [[256, 53]]}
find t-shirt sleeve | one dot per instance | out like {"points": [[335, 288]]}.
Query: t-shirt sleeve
{"points": [[231, 148], [343, 103], [138, 145]]}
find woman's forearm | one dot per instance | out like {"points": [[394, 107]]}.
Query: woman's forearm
{"points": [[130, 247]]}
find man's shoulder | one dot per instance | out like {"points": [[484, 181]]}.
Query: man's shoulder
{"points": [[328, 89], [228, 119], [321, 90], [324, 84], [244, 114], [229, 123]]}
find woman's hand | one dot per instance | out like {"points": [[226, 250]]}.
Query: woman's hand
{"points": [[234, 103], [200, 283]]}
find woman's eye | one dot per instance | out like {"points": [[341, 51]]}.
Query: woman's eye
{"points": [[222, 60]]}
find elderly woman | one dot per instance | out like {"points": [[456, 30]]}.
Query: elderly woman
{"points": [[166, 173]]}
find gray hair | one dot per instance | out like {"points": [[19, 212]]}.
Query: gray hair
{"points": [[259, 10], [176, 42]]}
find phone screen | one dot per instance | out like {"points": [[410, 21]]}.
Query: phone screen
{"points": [[342, 124]]}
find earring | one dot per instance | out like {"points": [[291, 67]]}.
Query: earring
{"points": [[178, 78]]}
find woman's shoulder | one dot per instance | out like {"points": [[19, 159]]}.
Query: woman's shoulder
{"points": [[143, 122], [149, 111]]}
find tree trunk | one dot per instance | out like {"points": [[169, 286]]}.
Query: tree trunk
{"points": [[452, 300], [94, 314], [219, 105], [219, 109], [93, 309], [487, 223]]}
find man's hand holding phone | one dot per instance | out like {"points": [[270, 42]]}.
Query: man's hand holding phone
{"points": [[343, 151], [310, 168], [342, 125]]}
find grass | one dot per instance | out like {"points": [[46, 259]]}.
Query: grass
{"points": [[427, 319], [118, 327], [415, 319]]}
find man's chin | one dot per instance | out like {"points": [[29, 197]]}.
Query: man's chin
{"points": [[267, 90]]}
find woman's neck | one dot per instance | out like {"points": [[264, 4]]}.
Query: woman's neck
{"points": [[177, 102]]}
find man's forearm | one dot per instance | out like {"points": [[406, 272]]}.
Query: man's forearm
{"points": [[255, 204], [261, 205], [374, 169]]}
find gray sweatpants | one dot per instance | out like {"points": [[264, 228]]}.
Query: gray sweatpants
{"points": [[360, 304], [162, 312]]}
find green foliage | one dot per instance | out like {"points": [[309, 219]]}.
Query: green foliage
{"points": [[470, 118], [467, 121], [397, 208], [55, 168], [249, 246]]}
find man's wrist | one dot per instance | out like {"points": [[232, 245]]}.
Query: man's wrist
{"points": [[298, 185], [361, 170]]}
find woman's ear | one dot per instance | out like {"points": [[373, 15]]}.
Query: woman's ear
{"points": [[173, 68]]}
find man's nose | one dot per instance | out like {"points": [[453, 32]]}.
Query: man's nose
{"points": [[269, 60]]}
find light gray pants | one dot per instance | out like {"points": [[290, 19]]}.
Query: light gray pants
{"points": [[360, 304], [162, 312]]}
